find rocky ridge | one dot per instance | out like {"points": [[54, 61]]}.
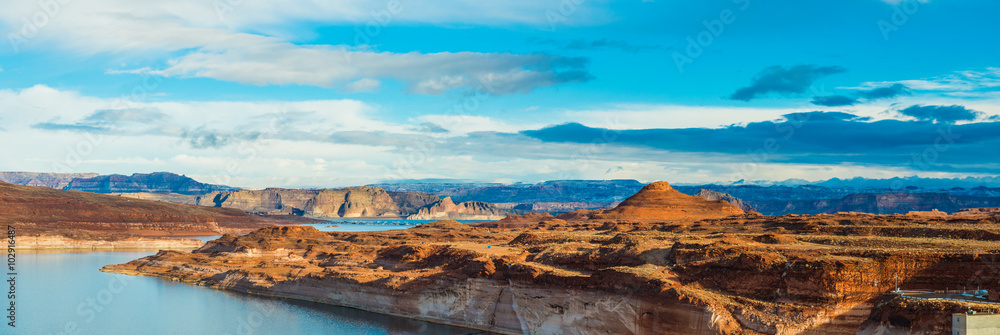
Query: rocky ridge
{"points": [[80, 216]]}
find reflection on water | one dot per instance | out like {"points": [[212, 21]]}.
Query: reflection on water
{"points": [[66, 294], [359, 225]]}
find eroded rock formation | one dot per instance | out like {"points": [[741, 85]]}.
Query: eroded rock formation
{"points": [[714, 195], [584, 273], [660, 202], [350, 202], [446, 209]]}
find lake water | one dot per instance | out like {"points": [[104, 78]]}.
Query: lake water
{"points": [[64, 293], [369, 224], [354, 225]]}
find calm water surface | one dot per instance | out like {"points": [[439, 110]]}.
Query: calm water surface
{"points": [[64, 293]]}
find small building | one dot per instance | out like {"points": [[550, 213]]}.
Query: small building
{"points": [[975, 324]]}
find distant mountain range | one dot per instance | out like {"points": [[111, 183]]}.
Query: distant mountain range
{"points": [[157, 182], [882, 196], [52, 180]]}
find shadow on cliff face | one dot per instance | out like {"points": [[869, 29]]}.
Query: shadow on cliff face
{"points": [[881, 312]]}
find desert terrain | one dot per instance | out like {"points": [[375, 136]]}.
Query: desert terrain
{"points": [[660, 262]]}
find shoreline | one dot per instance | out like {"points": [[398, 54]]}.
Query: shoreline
{"points": [[300, 297], [60, 242]]}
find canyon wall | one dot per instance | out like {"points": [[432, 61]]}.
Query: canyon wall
{"points": [[350, 202], [503, 307], [446, 209]]}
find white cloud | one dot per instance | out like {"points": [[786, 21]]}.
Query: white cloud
{"points": [[960, 81], [283, 63], [638, 116], [464, 124], [231, 46], [303, 143], [363, 85]]}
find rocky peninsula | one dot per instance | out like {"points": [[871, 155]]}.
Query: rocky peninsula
{"points": [[661, 262]]}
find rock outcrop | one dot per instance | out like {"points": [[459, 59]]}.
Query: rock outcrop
{"points": [[714, 195], [446, 209], [660, 202], [348, 202], [267, 201]]}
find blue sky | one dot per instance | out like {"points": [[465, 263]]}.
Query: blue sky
{"points": [[338, 93]]}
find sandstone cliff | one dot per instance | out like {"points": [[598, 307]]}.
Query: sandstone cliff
{"points": [[875, 203], [353, 202], [446, 209], [778, 199], [411, 202], [350, 202]]}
